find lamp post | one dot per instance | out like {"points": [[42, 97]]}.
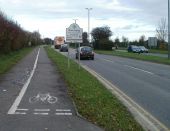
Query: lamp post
{"points": [[88, 9], [168, 30]]}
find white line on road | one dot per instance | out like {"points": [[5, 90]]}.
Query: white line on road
{"points": [[20, 113], [66, 110], [22, 92], [37, 113], [41, 109], [109, 60], [139, 69], [22, 109], [63, 114]]}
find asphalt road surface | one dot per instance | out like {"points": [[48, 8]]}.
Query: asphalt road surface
{"points": [[148, 84], [34, 97]]}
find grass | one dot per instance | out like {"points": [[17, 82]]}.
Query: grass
{"points": [[7, 61], [158, 51], [92, 99], [137, 56]]}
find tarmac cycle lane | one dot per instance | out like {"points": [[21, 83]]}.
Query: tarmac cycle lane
{"points": [[45, 103]]}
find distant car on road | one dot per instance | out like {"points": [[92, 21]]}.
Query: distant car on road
{"points": [[86, 52], [143, 49], [64, 48], [134, 49]]}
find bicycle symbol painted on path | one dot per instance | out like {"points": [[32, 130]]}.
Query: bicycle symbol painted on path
{"points": [[44, 98]]}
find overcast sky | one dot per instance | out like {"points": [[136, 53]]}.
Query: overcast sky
{"points": [[131, 18]]}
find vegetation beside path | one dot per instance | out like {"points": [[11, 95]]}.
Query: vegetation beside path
{"points": [[9, 60]]}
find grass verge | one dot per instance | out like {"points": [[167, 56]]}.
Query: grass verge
{"points": [[158, 51], [7, 61], [137, 56], [92, 99]]}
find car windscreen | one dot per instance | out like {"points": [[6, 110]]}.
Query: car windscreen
{"points": [[86, 49]]}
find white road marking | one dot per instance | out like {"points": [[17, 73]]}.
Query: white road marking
{"points": [[109, 60], [139, 69], [22, 92], [37, 113], [41, 109], [22, 109], [20, 113], [65, 110], [63, 114]]}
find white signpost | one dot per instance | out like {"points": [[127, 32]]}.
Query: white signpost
{"points": [[74, 35]]}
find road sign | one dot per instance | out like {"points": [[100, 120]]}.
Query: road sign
{"points": [[74, 34]]}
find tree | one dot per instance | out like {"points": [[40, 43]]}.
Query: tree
{"points": [[48, 41], [162, 30], [124, 41], [100, 33], [117, 42], [142, 40], [85, 40], [101, 36]]}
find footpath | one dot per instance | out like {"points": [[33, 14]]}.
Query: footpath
{"points": [[34, 97]]}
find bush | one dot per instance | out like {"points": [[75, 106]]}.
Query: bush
{"points": [[103, 44], [13, 37]]}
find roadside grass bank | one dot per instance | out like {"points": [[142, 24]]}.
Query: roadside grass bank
{"points": [[92, 99], [137, 56], [7, 61]]}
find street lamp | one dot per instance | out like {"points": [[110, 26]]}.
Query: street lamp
{"points": [[88, 9], [168, 30]]}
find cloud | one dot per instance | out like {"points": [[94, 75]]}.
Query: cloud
{"points": [[53, 16]]}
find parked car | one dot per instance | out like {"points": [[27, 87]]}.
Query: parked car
{"points": [[143, 49], [86, 52], [64, 48], [134, 49]]}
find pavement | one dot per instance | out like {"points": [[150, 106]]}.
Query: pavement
{"points": [[34, 97]]}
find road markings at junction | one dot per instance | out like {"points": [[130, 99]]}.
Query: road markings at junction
{"points": [[63, 114], [139, 69], [40, 113], [23, 90], [41, 110], [65, 110], [21, 111]]}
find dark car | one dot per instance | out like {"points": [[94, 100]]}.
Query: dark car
{"points": [[64, 48], [86, 52], [134, 49], [143, 49]]}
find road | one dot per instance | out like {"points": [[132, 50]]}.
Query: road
{"points": [[34, 97], [148, 84]]}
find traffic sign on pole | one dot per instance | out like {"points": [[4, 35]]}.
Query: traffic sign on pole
{"points": [[74, 34]]}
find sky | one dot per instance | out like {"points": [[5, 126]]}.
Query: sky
{"points": [[129, 18]]}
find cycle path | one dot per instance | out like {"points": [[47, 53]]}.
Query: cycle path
{"points": [[44, 105]]}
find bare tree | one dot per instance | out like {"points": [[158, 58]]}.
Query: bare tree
{"points": [[162, 30]]}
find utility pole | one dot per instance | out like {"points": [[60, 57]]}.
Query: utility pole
{"points": [[88, 9], [168, 30]]}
